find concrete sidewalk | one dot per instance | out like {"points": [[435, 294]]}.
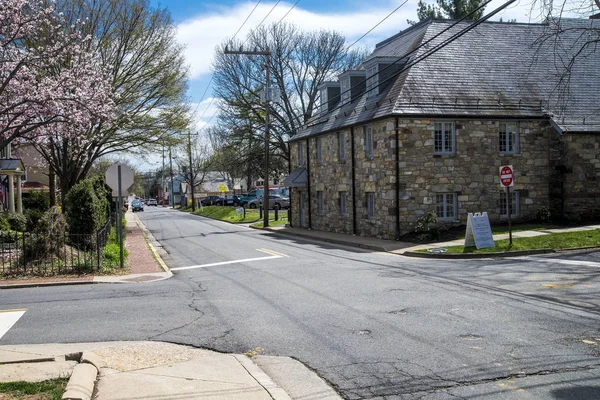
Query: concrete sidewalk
{"points": [[399, 247], [157, 370]]}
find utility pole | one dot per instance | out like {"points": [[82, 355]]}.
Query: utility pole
{"points": [[191, 170], [172, 197], [162, 183], [267, 55]]}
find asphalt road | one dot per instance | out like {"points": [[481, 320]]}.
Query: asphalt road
{"points": [[374, 325]]}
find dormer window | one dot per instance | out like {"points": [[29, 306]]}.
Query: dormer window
{"points": [[380, 73], [352, 85], [330, 95]]}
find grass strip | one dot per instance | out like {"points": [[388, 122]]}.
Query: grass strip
{"points": [[230, 215], [554, 241], [52, 389]]}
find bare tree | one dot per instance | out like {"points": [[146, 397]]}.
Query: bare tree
{"points": [[200, 154], [300, 62]]}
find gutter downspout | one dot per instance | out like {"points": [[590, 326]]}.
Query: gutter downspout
{"points": [[308, 183], [353, 182], [397, 164]]}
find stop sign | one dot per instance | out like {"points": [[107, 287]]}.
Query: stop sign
{"points": [[112, 179], [506, 176]]}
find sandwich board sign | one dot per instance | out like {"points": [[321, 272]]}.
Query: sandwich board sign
{"points": [[479, 232]]}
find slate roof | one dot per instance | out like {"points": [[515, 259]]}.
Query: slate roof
{"points": [[298, 178], [495, 70], [11, 165]]}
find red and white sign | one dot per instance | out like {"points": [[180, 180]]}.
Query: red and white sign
{"points": [[507, 176]]}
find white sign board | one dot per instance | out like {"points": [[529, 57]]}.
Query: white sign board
{"points": [[112, 179], [240, 210], [479, 232], [200, 195]]}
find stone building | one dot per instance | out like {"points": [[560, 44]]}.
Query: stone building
{"points": [[433, 113]]}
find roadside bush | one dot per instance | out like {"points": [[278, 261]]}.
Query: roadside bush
{"points": [[85, 211], [17, 222], [49, 237], [426, 228], [33, 218], [4, 225], [38, 200]]}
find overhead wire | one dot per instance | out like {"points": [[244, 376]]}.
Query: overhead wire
{"points": [[423, 56]]}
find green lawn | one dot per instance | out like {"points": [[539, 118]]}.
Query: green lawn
{"points": [[555, 241], [52, 389], [230, 215], [272, 222]]}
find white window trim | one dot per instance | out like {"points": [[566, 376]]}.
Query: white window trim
{"points": [[372, 80], [445, 217], [324, 100], [516, 210], [345, 89], [369, 142], [517, 135], [370, 205], [444, 125]]}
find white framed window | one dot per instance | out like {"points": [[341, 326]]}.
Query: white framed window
{"points": [[320, 150], [300, 153], [343, 199], [345, 89], [324, 100], [444, 138], [445, 206], [368, 141], [371, 205], [342, 146], [514, 204], [5, 153], [508, 137], [320, 203], [372, 81]]}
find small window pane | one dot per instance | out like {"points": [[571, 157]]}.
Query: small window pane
{"points": [[319, 150], [343, 210], [514, 204], [342, 146], [445, 206], [301, 153], [369, 141], [371, 205], [320, 205], [443, 137], [508, 137]]}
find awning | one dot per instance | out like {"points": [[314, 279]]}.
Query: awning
{"points": [[11, 165], [296, 179]]}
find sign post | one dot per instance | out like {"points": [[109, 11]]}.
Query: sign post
{"points": [[118, 177], [507, 181]]}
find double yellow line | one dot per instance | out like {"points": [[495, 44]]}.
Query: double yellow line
{"points": [[271, 252]]}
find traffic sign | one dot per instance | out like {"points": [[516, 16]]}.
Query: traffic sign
{"points": [[507, 176], [112, 178], [222, 188]]}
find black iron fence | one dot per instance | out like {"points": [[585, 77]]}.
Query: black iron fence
{"points": [[29, 253]]}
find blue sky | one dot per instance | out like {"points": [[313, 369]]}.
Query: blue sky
{"points": [[204, 24]]}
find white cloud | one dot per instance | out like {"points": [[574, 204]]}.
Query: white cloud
{"points": [[204, 112], [203, 32]]}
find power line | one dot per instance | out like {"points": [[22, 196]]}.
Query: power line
{"points": [[428, 53], [246, 20], [290, 10], [379, 23]]}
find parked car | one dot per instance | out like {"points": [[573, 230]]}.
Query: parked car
{"points": [[210, 200], [137, 205], [152, 202], [275, 202], [229, 200]]}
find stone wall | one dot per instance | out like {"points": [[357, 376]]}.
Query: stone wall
{"points": [[582, 178], [472, 173]]}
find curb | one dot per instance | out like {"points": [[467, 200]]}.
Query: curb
{"points": [[83, 380], [335, 241], [45, 284], [477, 256], [149, 238], [276, 392]]}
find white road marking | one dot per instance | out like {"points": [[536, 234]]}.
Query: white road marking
{"points": [[559, 261], [8, 318], [226, 263]]}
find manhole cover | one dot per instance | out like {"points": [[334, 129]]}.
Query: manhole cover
{"points": [[364, 332], [398, 312], [471, 337], [439, 250]]}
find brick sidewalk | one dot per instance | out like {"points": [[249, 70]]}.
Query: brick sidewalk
{"points": [[140, 258]]}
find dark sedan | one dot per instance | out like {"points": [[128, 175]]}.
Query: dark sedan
{"points": [[211, 201]]}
